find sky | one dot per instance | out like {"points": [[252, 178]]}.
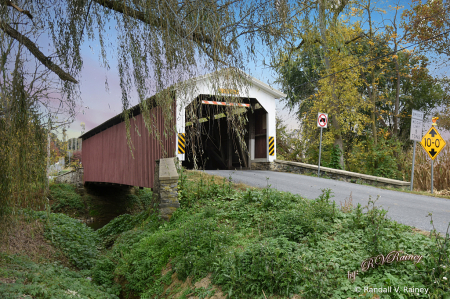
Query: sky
{"points": [[99, 105]]}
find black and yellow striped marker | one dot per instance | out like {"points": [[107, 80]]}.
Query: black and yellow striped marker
{"points": [[271, 146], [181, 143]]}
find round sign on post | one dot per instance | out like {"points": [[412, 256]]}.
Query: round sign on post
{"points": [[322, 120]]}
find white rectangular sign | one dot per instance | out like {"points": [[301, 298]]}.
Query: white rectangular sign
{"points": [[416, 130], [416, 125], [417, 115]]}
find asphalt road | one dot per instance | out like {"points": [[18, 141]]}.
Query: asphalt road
{"points": [[405, 208]]}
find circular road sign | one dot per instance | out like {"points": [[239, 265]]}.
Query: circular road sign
{"points": [[322, 120]]}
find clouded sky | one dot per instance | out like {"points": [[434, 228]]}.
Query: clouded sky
{"points": [[100, 105]]}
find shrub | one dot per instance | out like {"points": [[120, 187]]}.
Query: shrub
{"points": [[46, 281], [307, 219], [145, 196], [381, 160], [271, 265], [119, 225], [77, 241], [65, 198]]}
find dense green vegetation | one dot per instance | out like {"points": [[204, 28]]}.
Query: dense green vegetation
{"points": [[66, 199], [248, 242], [21, 277]]}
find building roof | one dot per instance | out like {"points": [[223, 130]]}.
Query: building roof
{"points": [[251, 80], [136, 110]]}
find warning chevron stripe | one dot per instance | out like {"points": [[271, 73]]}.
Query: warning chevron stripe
{"points": [[271, 146], [181, 143], [225, 104]]}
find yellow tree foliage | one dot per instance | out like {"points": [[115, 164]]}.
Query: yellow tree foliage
{"points": [[344, 84]]}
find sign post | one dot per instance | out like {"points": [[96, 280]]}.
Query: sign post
{"points": [[416, 135], [322, 121], [432, 176], [433, 143]]}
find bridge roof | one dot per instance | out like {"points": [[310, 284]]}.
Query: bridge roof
{"points": [[135, 110]]}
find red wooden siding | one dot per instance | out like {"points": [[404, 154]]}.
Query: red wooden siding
{"points": [[107, 157]]}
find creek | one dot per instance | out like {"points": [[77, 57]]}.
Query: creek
{"points": [[106, 202]]}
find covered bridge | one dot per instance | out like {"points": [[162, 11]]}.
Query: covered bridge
{"points": [[107, 158]]}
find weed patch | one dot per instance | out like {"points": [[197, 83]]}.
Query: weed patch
{"points": [[65, 199], [254, 243], [77, 241], [22, 278]]}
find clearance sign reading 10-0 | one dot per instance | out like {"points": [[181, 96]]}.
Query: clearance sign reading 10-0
{"points": [[432, 142]]}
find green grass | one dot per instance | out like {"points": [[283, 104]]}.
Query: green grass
{"points": [[65, 199], [264, 240], [251, 243], [20, 277]]}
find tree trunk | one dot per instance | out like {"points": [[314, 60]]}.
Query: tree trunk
{"points": [[338, 139], [372, 90], [397, 90], [374, 110], [48, 157], [335, 117]]}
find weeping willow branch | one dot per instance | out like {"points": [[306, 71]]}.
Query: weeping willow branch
{"points": [[197, 36], [36, 52], [9, 3]]}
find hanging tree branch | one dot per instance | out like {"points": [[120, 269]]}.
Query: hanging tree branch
{"points": [[198, 36], [36, 52], [9, 3]]}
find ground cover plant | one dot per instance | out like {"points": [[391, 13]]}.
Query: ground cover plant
{"points": [[75, 239], [56, 268], [258, 242], [65, 199], [253, 243], [23, 278]]}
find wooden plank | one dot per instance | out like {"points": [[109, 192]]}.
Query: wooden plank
{"points": [[107, 158]]}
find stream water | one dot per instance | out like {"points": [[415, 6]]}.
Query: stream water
{"points": [[106, 202]]}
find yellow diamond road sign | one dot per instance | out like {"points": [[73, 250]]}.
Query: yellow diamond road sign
{"points": [[432, 142]]}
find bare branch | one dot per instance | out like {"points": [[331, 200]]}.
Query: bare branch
{"points": [[36, 52], [338, 10], [9, 3], [355, 38], [300, 45]]}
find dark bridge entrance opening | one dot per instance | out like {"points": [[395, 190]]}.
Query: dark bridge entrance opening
{"points": [[211, 138]]}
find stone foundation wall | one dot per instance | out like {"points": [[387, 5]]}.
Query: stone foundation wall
{"points": [[262, 165], [165, 187], [75, 177], [336, 174]]}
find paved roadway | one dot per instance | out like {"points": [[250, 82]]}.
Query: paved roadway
{"points": [[409, 209]]}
